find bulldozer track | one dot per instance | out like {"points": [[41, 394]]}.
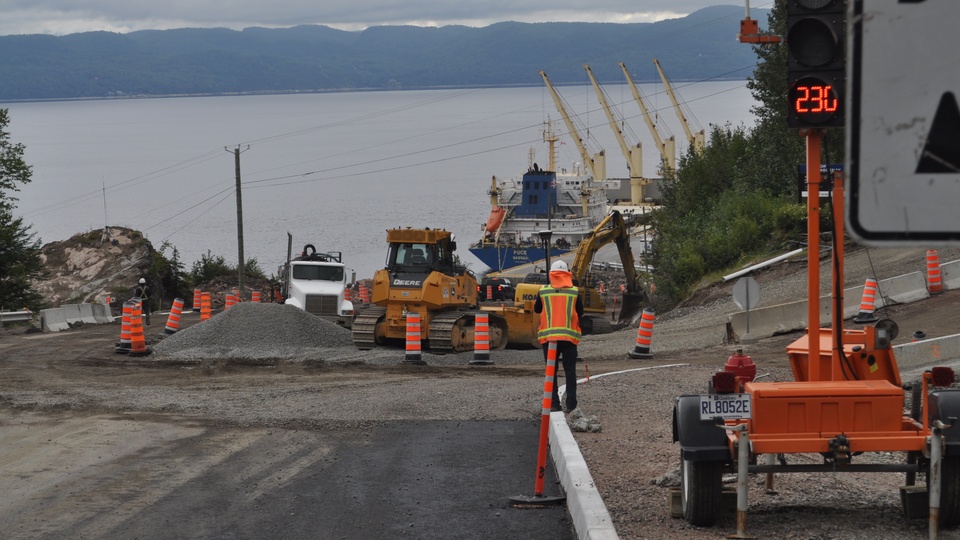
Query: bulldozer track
{"points": [[365, 328], [442, 327]]}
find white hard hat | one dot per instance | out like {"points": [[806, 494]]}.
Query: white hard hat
{"points": [[558, 265], [142, 281]]}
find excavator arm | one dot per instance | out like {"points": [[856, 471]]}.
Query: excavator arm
{"points": [[613, 228]]}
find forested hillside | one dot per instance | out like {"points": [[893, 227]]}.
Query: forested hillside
{"points": [[317, 58]]}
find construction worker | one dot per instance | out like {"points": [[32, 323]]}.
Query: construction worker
{"points": [[142, 292], [560, 311]]}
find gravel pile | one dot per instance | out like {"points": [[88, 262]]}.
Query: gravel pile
{"points": [[257, 331]]}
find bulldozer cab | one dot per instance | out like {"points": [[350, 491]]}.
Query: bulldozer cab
{"points": [[420, 251]]}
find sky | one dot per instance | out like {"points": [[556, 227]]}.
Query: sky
{"points": [[60, 17]]}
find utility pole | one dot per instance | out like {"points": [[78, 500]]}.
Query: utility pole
{"points": [[236, 159]]}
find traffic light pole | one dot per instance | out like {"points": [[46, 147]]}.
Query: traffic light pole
{"points": [[814, 139]]}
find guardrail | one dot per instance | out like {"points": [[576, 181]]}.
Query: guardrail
{"points": [[15, 316]]}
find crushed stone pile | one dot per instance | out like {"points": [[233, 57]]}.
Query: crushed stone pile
{"points": [[257, 331]]}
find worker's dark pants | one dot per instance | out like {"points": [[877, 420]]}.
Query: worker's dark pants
{"points": [[567, 356]]}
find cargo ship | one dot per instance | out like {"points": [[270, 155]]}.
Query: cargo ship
{"points": [[568, 203]]}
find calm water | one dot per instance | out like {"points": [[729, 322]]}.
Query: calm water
{"points": [[334, 170]]}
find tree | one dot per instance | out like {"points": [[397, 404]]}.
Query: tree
{"points": [[20, 262], [737, 198]]}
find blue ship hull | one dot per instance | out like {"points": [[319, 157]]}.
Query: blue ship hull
{"points": [[500, 258]]}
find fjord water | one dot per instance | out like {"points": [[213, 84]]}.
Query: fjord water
{"points": [[334, 170]]}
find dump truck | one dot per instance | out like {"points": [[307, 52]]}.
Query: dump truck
{"points": [[423, 276]]}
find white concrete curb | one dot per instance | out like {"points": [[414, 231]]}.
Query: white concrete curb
{"points": [[590, 517], [587, 509]]}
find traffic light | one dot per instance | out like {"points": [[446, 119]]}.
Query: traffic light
{"points": [[816, 68]]}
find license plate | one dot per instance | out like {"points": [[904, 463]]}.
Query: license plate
{"points": [[725, 406]]}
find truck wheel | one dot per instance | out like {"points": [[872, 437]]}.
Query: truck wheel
{"points": [[701, 488]]}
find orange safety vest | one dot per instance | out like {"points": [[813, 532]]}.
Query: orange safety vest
{"points": [[559, 320]]}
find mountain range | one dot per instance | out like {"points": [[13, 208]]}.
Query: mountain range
{"points": [[216, 61]]}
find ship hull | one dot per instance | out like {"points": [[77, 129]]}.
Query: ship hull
{"points": [[500, 258]]}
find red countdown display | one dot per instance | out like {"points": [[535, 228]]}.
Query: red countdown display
{"points": [[814, 101]]}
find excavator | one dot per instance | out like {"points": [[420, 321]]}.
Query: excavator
{"points": [[613, 228], [422, 276], [522, 322]]}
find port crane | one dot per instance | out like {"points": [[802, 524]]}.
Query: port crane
{"points": [[596, 164], [698, 139], [633, 154], [667, 147]]}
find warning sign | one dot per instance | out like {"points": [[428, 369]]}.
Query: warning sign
{"points": [[903, 123]]}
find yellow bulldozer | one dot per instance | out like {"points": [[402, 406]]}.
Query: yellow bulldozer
{"points": [[522, 322], [422, 276]]}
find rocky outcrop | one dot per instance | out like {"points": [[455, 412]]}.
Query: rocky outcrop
{"points": [[90, 266]]}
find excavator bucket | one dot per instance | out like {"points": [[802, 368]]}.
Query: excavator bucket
{"points": [[632, 307]]}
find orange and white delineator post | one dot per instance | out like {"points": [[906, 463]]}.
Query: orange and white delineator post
{"points": [[412, 355], [205, 306], [197, 295], [934, 282], [538, 499], [481, 340]]}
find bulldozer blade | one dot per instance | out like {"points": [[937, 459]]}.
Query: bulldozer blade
{"points": [[631, 308]]}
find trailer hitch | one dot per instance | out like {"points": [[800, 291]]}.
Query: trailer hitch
{"points": [[839, 451]]}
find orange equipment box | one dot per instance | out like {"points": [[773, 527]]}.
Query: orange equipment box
{"points": [[825, 408]]}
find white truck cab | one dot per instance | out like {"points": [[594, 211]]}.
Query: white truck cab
{"points": [[316, 283]]}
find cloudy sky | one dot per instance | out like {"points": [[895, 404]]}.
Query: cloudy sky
{"points": [[60, 17]]}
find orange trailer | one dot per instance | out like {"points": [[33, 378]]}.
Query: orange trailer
{"points": [[846, 401]]}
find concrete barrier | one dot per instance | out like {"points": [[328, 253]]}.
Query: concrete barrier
{"points": [[783, 318], [71, 312], [86, 314], [928, 352], [102, 314], [53, 320], [950, 275]]}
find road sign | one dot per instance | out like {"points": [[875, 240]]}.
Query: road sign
{"points": [[746, 293], [903, 123]]}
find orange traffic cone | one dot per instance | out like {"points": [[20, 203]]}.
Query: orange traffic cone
{"points": [[173, 320], [644, 335], [138, 345], [123, 346], [867, 303]]}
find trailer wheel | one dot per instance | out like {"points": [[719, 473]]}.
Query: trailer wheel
{"points": [[916, 412], [701, 488], [950, 492]]}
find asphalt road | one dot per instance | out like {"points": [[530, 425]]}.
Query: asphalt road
{"points": [[73, 467]]}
